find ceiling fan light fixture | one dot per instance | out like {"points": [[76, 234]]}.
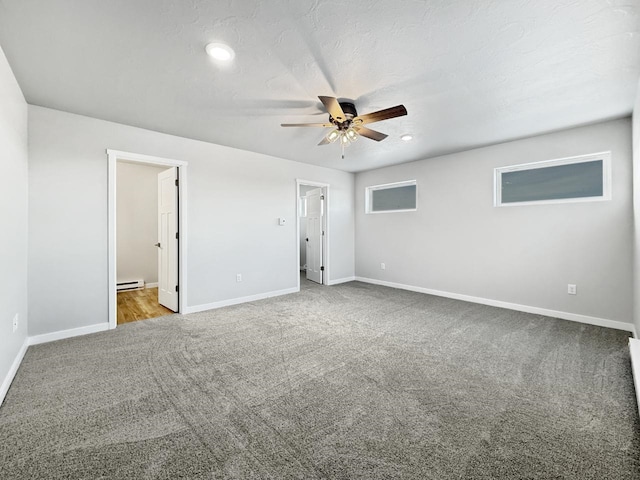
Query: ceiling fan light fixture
{"points": [[352, 135], [333, 135], [344, 139], [220, 51]]}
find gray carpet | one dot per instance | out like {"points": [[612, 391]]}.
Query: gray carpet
{"points": [[351, 381]]}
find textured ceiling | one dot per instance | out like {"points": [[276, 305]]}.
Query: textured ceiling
{"points": [[469, 72]]}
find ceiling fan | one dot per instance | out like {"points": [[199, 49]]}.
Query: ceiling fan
{"points": [[347, 125]]}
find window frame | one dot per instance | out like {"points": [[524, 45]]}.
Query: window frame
{"points": [[368, 197], [606, 179]]}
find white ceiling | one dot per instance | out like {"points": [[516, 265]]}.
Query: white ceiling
{"points": [[470, 73]]}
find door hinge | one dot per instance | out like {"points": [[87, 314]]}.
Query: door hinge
{"points": [[321, 197], [323, 233], [322, 269], [176, 182], [176, 288], [176, 235]]}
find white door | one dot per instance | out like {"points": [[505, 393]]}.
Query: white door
{"points": [[167, 239], [314, 235]]}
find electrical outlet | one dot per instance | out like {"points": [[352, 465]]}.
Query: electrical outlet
{"points": [[239, 277], [572, 289], [383, 266], [15, 322]]}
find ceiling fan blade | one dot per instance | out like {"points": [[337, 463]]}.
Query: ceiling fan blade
{"points": [[334, 108], [372, 134], [397, 111], [324, 141], [306, 125]]}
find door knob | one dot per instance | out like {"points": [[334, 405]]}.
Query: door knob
{"points": [[158, 244], [307, 239]]}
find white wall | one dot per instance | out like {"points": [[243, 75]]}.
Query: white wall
{"points": [[303, 242], [13, 211], [457, 242], [234, 200], [636, 210], [137, 221]]}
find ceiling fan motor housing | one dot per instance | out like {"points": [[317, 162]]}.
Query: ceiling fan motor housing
{"points": [[350, 112]]}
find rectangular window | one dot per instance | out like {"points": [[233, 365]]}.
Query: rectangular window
{"points": [[575, 179], [391, 197]]}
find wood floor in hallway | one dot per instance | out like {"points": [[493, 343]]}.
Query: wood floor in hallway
{"points": [[141, 304]]}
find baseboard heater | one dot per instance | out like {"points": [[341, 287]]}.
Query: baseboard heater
{"points": [[131, 285]]}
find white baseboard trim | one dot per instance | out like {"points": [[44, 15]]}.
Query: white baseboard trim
{"points": [[6, 383], [151, 285], [634, 351], [575, 317], [236, 301], [62, 334], [338, 281]]}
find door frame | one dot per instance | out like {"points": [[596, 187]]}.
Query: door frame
{"points": [[113, 157], [325, 227]]}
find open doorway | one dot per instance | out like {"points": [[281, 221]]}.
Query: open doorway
{"points": [[147, 230], [312, 200], [146, 200]]}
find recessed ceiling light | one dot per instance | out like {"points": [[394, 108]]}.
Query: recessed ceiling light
{"points": [[220, 51], [407, 137]]}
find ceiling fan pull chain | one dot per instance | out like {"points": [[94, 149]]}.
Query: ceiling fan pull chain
{"points": [[342, 151]]}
